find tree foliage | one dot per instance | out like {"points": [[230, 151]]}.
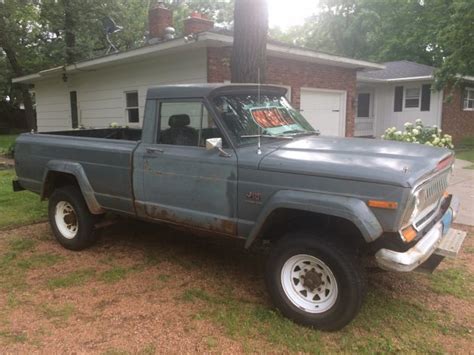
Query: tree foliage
{"points": [[40, 34], [433, 32]]}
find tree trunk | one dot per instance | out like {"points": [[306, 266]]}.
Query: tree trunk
{"points": [[248, 63], [70, 37]]}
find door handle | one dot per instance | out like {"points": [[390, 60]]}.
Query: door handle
{"points": [[154, 150]]}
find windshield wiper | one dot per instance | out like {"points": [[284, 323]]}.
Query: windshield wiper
{"points": [[298, 132], [268, 136]]}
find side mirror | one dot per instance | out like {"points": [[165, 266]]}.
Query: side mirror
{"points": [[216, 143], [213, 143]]}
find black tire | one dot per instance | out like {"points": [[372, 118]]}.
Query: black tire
{"points": [[85, 235], [349, 276]]}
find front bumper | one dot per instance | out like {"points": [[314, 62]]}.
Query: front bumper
{"points": [[408, 261]]}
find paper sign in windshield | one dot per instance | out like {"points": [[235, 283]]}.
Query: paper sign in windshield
{"points": [[271, 117]]}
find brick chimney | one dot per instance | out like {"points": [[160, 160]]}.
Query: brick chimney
{"points": [[159, 17], [197, 22]]}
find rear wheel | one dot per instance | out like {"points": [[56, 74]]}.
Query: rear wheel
{"points": [[70, 219], [315, 282]]}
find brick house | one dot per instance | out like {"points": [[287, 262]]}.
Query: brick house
{"points": [[402, 93], [112, 88]]}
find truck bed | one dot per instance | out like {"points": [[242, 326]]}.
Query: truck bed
{"points": [[105, 156]]}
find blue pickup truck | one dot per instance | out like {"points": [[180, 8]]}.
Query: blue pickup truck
{"points": [[238, 161]]}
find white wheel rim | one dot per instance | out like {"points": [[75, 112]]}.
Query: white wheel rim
{"points": [[318, 293], [66, 219]]}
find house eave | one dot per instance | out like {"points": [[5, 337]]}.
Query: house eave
{"points": [[362, 79], [204, 39], [302, 54]]}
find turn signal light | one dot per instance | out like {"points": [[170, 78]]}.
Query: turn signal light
{"points": [[409, 234], [383, 204]]}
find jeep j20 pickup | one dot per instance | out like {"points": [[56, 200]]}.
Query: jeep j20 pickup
{"points": [[239, 161]]}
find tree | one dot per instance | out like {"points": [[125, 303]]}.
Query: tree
{"points": [[433, 32], [248, 62], [16, 33]]}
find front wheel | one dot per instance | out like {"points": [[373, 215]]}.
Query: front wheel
{"points": [[70, 219], [314, 282]]}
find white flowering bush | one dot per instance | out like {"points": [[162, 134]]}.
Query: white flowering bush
{"points": [[116, 125], [420, 134]]}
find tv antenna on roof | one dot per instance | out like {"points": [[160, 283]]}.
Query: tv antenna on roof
{"points": [[110, 27]]}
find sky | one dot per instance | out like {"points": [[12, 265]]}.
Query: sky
{"points": [[287, 13]]}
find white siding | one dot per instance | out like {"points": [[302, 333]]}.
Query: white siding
{"points": [[385, 116], [52, 105], [101, 93]]}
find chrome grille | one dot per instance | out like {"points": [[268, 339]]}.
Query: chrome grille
{"points": [[432, 190]]}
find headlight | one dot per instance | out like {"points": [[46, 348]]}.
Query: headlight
{"points": [[413, 209]]}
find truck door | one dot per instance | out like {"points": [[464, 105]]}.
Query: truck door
{"points": [[184, 183]]}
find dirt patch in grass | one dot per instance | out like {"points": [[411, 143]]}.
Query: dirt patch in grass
{"points": [[149, 289]]}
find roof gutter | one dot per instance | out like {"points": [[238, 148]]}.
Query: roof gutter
{"points": [[302, 53], [102, 61], [201, 40], [407, 79]]}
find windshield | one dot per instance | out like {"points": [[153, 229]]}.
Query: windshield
{"points": [[269, 116]]}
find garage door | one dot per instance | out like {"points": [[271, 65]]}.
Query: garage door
{"points": [[324, 110]]}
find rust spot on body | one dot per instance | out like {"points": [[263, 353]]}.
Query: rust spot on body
{"points": [[218, 225]]}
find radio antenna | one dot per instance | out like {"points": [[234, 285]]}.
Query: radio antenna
{"points": [[259, 139]]}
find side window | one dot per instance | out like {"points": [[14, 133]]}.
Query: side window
{"points": [[186, 124], [131, 101]]}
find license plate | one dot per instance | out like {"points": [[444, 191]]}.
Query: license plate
{"points": [[447, 220]]}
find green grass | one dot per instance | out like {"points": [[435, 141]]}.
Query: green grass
{"points": [[384, 325], [465, 151], [454, 281], [6, 140], [75, 278], [19, 257], [39, 260], [18, 208], [114, 275], [12, 274], [57, 312], [13, 337], [466, 155]]}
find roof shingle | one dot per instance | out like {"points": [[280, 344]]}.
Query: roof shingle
{"points": [[397, 70]]}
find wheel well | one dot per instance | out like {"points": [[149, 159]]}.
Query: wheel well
{"points": [[56, 179], [284, 220]]}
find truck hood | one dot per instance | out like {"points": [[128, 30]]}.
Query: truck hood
{"points": [[387, 162]]}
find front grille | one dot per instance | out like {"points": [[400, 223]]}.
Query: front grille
{"points": [[432, 190], [430, 194]]}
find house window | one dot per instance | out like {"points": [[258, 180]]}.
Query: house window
{"points": [[468, 99], [133, 113], [412, 97]]}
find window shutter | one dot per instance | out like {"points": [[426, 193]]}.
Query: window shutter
{"points": [[398, 102], [425, 97]]}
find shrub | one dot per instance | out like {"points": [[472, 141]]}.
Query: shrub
{"points": [[10, 150], [420, 134]]}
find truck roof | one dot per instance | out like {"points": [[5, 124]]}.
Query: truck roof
{"points": [[205, 90]]}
